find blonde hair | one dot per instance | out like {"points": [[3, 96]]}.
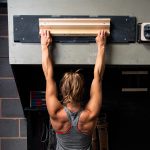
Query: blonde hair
{"points": [[72, 87]]}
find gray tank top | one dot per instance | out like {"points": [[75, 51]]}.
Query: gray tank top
{"points": [[73, 139]]}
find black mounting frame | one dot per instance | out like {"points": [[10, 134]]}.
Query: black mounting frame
{"points": [[26, 29]]}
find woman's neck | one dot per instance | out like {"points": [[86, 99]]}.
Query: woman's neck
{"points": [[73, 107]]}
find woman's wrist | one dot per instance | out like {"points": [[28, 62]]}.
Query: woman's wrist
{"points": [[44, 46], [101, 46]]}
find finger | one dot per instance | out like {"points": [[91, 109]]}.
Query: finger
{"points": [[49, 35], [106, 33], [41, 31], [49, 32], [46, 33], [99, 33], [103, 32]]}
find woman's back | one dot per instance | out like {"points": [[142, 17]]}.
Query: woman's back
{"points": [[73, 139]]}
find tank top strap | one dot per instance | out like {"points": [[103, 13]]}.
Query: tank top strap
{"points": [[75, 123], [72, 116], [68, 113]]}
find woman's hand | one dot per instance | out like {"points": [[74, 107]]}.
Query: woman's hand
{"points": [[101, 38], [46, 38]]}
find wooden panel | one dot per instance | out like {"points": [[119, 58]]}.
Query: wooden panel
{"points": [[75, 26]]}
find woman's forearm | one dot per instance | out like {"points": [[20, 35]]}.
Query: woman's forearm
{"points": [[100, 62], [47, 63]]}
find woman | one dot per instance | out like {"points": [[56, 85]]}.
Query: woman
{"points": [[73, 125]]}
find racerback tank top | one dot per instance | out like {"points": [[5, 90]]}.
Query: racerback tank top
{"points": [[73, 139]]}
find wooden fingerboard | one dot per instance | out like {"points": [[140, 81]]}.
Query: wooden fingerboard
{"points": [[75, 26]]}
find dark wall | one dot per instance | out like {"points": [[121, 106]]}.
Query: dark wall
{"points": [[13, 130], [126, 98]]}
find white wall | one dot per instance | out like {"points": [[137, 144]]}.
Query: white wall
{"points": [[122, 54]]}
